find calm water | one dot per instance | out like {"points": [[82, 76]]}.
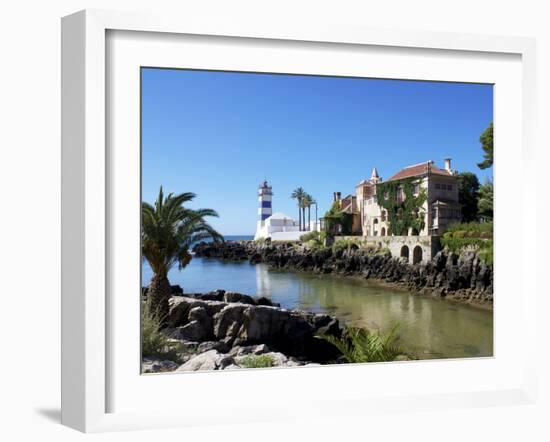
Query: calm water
{"points": [[428, 327]]}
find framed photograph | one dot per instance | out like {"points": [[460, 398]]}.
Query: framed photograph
{"points": [[298, 222]]}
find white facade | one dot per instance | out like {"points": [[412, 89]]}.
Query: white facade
{"points": [[279, 227]]}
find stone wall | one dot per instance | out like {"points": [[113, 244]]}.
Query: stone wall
{"points": [[426, 246]]}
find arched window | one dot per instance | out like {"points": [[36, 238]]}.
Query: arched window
{"points": [[383, 231], [417, 255], [375, 227], [405, 252]]}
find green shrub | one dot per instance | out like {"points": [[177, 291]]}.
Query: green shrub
{"points": [[457, 240], [472, 226], [324, 235], [309, 236], [362, 345], [486, 254], [261, 361], [383, 251], [345, 244], [314, 244], [154, 343]]}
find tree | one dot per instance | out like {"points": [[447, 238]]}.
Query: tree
{"points": [[298, 194], [168, 230], [485, 204], [468, 193], [486, 140], [307, 202]]}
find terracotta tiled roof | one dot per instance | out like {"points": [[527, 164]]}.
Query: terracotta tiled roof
{"points": [[419, 169]]}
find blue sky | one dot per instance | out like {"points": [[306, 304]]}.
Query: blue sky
{"points": [[219, 134]]}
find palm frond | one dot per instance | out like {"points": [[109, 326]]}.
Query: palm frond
{"points": [[169, 229], [362, 345]]}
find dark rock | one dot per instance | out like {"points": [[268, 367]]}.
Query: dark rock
{"points": [[238, 297], [176, 290], [219, 346]]}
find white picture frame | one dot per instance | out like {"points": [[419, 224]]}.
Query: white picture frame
{"points": [[87, 207]]}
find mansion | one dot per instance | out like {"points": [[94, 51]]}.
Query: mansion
{"points": [[439, 208]]}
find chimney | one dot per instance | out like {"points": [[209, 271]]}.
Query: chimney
{"points": [[448, 164]]}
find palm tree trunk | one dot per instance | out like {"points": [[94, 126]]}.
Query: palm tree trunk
{"points": [[304, 215], [299, 218], [308, 217], [158, 295]]}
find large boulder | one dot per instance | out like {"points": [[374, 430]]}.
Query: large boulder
{"points": [[156, 365], [210, 360]]}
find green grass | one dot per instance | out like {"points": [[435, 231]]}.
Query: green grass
{"points": [[154, 343], [362, 345], [261, 361]]}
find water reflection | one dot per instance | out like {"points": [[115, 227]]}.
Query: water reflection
{"points": [[428, 327]]}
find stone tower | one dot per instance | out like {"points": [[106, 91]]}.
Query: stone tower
{"points": [[264, 207]]}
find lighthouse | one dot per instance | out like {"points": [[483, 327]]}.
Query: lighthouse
{"points": [[264, 207]]}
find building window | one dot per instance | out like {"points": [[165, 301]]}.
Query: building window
{"points": [[437, 186], [416, 189], [400, 194], [449, 187]]}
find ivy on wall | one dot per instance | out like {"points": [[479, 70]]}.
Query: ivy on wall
{"points": [[405, 214], [335, 217]]}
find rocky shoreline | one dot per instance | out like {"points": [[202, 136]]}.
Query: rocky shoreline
{"points": [[465, 277], [226, 330]]}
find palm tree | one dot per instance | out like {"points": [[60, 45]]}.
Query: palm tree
{"points": [[168, 230], [299, 194], [307, 202]]}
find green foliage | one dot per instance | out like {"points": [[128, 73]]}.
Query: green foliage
{"points": [[486, 253], [383, 251], [335, 218], [486, 140], [309, 236], [168, 230], [480, 228], [362, 345], [261, 361], [154, 343], [476, 235], [345, 244], [485, 203], [468, 193], [324, 235], [405, 214]]}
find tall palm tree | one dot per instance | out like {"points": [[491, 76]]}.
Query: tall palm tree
{"points": [[307, 202], [298, 194], [168, 230]]}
